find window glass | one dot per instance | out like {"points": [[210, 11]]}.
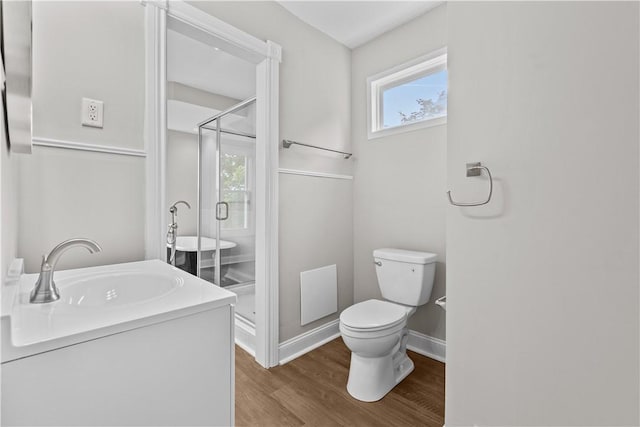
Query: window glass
{"points": [[235, 190], [421, 99]]}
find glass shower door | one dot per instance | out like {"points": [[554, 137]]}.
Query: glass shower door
{"points": [[226, 225], [207, 224], [236, 206]]}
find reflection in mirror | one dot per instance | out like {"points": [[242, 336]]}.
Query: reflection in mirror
{"points": [[205, 79]]}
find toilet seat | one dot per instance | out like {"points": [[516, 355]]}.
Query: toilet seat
{"points": [[374, 315], [367, 334]]}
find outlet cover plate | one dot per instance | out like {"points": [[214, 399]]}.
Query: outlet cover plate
{"points": [[92, 112]]}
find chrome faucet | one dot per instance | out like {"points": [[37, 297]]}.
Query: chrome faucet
{"points": [[172, 233], [45, 289]]}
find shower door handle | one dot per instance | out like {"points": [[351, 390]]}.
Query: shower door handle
{"points": [[220, 210]]}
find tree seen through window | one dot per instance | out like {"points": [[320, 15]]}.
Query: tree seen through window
{"points": [[420, 99]]}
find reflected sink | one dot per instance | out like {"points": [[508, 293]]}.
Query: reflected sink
{"points": [[117, 289]]}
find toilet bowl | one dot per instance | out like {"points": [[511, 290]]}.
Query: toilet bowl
{"points": [[376, 331]]}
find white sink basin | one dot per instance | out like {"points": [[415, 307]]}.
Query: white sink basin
{"points": [[117, 289], [100, 301], [190, 244]]}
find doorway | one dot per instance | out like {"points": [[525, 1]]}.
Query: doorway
{"points": [[198, 69]]}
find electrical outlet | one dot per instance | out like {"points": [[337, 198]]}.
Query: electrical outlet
{"points": [[92, 113]]}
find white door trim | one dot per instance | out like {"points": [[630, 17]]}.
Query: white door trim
{"points": [[267, 162], [266, 55], [155, 133]]}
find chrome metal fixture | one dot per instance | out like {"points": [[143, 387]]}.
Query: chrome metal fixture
{"points": [[286, 143], [235, 108], [45, 289], [475, 169], [16, 17], [221, 207], [172, 233]]}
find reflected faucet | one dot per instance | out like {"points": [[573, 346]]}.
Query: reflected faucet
{"points": [[172, 233], [45, 289]]}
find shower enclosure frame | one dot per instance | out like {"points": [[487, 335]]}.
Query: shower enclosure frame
{"points": [[266, 55], [219, 130]]}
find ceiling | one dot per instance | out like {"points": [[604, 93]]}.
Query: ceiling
{"points": [[202, 66], [184, 117], [354, 23]]}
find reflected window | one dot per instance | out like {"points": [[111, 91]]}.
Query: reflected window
{"points": [[236, 190]]}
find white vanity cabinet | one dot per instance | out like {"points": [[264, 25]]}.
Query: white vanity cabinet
{"points": [[170, 369]]}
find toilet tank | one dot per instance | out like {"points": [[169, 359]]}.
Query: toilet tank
{"points": [[405, 277]]}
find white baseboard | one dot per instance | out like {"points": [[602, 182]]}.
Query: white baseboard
{"points": [[295, 347], [304, 343], [245, 335], [427, 346]]}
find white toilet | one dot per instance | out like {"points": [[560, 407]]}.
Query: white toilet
{"points": [[376, 331]]}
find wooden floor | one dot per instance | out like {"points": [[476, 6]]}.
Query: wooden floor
{"points": [[311, 390]]}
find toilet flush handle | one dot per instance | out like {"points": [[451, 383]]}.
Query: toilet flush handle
{"points": [[378, 263]]}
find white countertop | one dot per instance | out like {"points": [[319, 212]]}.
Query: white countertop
{"points": [[99, 301]]}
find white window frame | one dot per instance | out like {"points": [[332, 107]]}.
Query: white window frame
{"points": [[431, 63]]}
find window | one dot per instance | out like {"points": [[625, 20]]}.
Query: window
{"points": [[236, 190], [410, 96]]}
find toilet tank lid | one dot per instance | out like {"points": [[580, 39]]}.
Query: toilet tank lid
{"points": [[414, 257]]}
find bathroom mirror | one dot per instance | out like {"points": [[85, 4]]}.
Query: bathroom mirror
{"points": [[16, 57], [212, 167]]}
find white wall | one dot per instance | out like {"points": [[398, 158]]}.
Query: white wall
{"points": [[93, 50], [68, 193], [399, 190], [65, 193], [542, 284], [182, 179], [315, 99], [315, 215], [191, 95]]}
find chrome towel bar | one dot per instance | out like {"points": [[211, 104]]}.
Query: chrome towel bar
{"points": [[286, 143], [475, 169]]}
